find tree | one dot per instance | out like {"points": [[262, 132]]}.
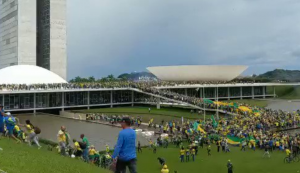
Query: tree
{"points": [[78, 79], [111, 77], [104, 79], [91, 79]]}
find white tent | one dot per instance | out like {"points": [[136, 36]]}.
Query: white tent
{"points": [[28, 74]]}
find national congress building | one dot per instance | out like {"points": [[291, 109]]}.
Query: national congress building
{"points": [[33, 32]]}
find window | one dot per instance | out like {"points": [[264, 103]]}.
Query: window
{"points": [[8, 41]]}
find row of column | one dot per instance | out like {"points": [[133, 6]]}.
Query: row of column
{"points": [[88, 100], [202, 93]]}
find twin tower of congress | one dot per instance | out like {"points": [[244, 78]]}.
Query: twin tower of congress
{"points": [[33, 32]]}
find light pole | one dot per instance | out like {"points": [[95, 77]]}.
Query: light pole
{"points": [[203, 96], [217, 95]]}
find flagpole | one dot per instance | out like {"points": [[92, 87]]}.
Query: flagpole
{"points": [[204, 110], [217, 95], [203, 96]]}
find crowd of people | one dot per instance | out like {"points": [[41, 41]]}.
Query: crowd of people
{"points": [[260, 128], [82, 149], [261, 131], [254, 131], [11, 128], [112, 84]]}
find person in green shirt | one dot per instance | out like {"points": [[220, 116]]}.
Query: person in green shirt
{"points": [[85, 153]]}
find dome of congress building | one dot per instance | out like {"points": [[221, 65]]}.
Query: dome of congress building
{"points": [[197, 72], [28, 74]]}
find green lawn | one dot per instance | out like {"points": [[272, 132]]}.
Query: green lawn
{"points": [[259, 103], [20, 158], [285, 92], [243, 162], [16, 158], [158, 114], [294, 94]]}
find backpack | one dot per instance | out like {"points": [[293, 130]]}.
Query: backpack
{"points": [[37, 130], [82, 145], [10, 121]]}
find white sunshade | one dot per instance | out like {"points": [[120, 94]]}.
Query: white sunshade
{"points": [[28, 74], [198, 72]]}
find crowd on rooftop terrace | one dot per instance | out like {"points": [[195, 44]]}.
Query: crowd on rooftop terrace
{"points": [[114, 84]]}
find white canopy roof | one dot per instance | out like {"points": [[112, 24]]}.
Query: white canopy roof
{"points": [[197, 72], [28, 74]]}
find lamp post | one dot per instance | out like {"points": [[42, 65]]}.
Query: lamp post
{"points": [[217, 95]]}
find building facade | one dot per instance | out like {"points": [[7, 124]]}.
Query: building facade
{"points": [[33, 32], [33, 100]]}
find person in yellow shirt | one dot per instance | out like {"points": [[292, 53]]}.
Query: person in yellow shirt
{"points": [[150, 144], [92, 153], [182, 153], [193, 152], [31, 134], [288, 152], [277, 143], [61, 137], [288, 155], [18, 131], [107, 148], [78, 150], [165, 169], [29, 128], [17, 128]]}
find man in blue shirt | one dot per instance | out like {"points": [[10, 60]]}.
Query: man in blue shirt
{"points": [[125, 150], [2, 114]]}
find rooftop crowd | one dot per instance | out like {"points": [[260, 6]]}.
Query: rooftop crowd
{"points": [[110, 84]]}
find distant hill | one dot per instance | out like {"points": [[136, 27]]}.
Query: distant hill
{"points": [[135, 76], [282, 75]]}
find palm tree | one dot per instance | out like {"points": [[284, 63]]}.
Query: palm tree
{"points": [[91, 79], [111, 77]]}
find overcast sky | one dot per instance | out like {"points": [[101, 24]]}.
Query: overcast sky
{"points": [[117, 36]]}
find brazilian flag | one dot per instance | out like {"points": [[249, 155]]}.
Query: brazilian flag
{"points": [[207, 101], [214, 122]]}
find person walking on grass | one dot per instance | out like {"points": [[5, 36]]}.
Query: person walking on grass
{"points": [[267, 153], [227, 149], [32, 134], [161, 161], [244, 144], [139, 147], [61, 137], [2, 115], [193, 151], [85, 153], [187, 155], [208, 150], [218, 145], [125, 151], [154, 148], [10, 122], [182, 153], [229, 167]]}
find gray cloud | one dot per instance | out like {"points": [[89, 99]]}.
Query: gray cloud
{"points": [[115, 36]]}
